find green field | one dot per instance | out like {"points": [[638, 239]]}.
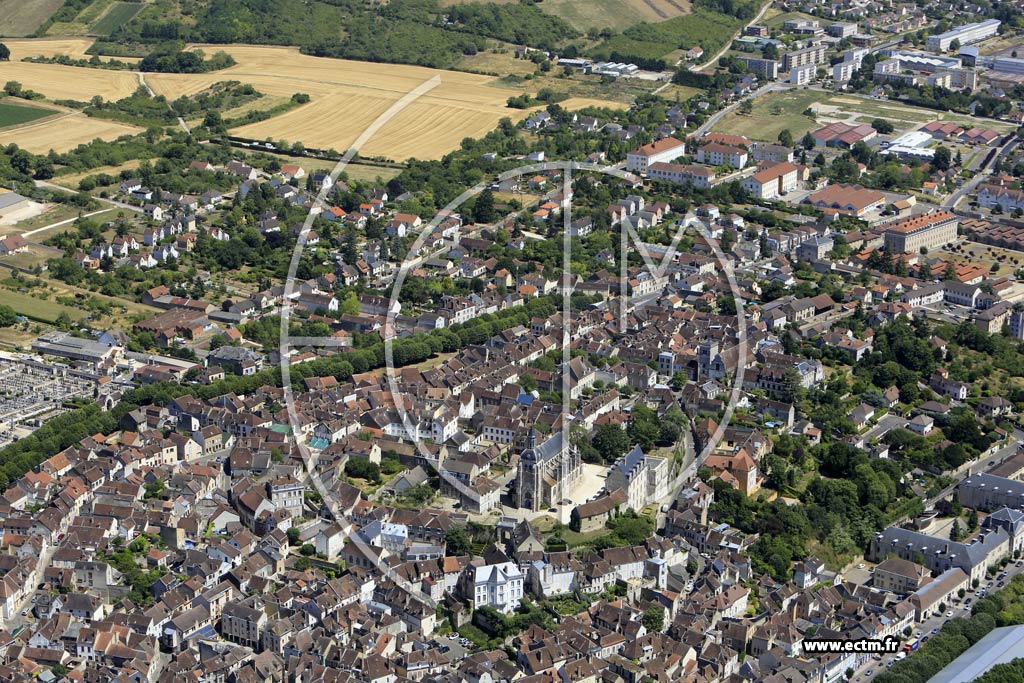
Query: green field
{"points": [[774, 113], [775, 19], [710, 30], [38, 309], [16, 114], [22, 17], [118, 14]]}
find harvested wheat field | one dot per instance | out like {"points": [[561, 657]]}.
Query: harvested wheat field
{"points": [[347, 96], [63, 133], [59, 82], [48, 47]]}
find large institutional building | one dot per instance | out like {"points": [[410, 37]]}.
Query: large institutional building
{"points": [[547, 472], [665, 149], [927, 230], [968, 33]]}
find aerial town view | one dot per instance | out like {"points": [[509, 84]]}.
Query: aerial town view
{"points": [[511, 341]]}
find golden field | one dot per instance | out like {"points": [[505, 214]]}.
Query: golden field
{"points": [[63, 132], [346, 97], [58, 82]]}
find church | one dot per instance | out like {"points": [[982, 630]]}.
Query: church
{"points": [[547, 472]]}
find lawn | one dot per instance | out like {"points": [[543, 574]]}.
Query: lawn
{"points": [[17, 114], [679, 93], [38, 309], [118, 14], [773, 18], [774, 113]]}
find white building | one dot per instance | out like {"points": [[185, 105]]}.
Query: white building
{"points": [[666, 149], [644, 478], [773, 181], [966, 34], [498, 585]]}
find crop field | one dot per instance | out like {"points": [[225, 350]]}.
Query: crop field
{"points": [[347, 96], [47, 47], [15, 114], [617, 14], [118, 14], [22, 17], [59, 82], [64, 132]]}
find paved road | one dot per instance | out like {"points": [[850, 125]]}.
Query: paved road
{"points": [[111, 202], [718, 55], [925, 628], [980, 174], [717, 116], [30, 233]]}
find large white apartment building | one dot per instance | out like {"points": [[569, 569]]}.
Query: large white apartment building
{"points": [[665, 149]]}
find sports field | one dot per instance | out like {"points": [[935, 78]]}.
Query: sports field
{"points": [[16, 114]]}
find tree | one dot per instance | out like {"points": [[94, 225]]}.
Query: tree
{"points": [[654, 618], [483, 209], [791, 389], [807, 142], [747, 107], [8, 316], [950, 272], [361, 468], [882, 126], [955, 45], [786, 138], [942, 159], [5, 53], [972, 520], [458, 542], [350, 304], [610, 441], [956, 533]]}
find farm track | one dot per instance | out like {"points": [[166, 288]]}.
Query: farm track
{"points": [[657, 10]]}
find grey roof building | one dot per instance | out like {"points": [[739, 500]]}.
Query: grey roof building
{"points": [[940, 554], [63, 345], [988, 492]]}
